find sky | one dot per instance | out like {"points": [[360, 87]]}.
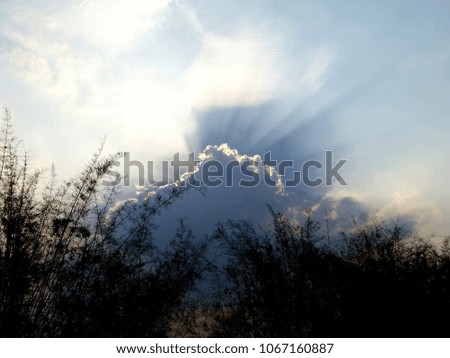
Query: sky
{"points": [[368, 80]]}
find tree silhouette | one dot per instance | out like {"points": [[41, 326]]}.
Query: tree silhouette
{"points": [[72, 266], [287, 282], [76, 262]]}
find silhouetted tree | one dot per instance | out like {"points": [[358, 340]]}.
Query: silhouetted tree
{"points": [[288, 282], [278, 283], [75, 263]]}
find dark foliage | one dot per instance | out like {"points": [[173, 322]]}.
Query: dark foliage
{"points": [[75, 262], [72, 265], [289, 283]]}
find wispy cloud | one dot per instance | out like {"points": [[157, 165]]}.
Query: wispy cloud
{"points": [[144, 73], [74, 58], [116, 26], [234, 71]]}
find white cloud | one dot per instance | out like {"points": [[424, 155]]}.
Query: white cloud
{"points": [[237, 70], [97, 93], [82, 69], [232, 200], [225, 155], [67, 56], [228, 200], [33, 68], [53, 69], [250, 69], [115, 26], [313, 69]]}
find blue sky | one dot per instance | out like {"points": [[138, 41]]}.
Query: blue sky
{"points": [[369, 80]]}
